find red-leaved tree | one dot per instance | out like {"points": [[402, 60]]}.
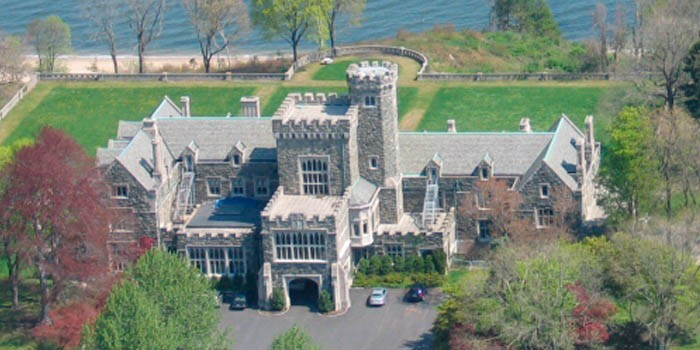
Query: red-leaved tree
{"points": [[591, 316], [54, 205]]}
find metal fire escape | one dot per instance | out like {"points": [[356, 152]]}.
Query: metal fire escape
{"points": [[430, 204], [185, 196]]}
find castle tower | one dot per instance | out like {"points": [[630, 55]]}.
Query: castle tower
{"points": [[373, 90]]}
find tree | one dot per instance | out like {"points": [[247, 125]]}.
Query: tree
{"points": [[11, 58], [293, 339], [287, 19], [619, 31], [53, 204], [493, 200], [525, 16], [332, 10], [657, 284], [217, 23], [51, 37], [670, 30], [162, 303], [629, 170], [146, 20], [104, 15], [600, 24], [691, 89]]}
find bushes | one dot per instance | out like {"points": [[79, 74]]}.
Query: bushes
{"points": [[278, 300], [398, 272], [325, 302]]}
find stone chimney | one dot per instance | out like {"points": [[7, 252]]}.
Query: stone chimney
{"points": [[251, 106], [149, 126], [525, 125], [451, 125], [590, 130], [185, 106], [581, 167]]}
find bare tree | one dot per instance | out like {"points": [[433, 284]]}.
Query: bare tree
{"points": [[669, 31], [51, 37], [619, 31], [642, 8], [11, 66], [146, 20], [331, 10], [217, 23], [104, 15], [600, 24]]}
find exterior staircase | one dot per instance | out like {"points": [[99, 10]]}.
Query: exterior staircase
{"points": [[430, 204], [185, 195]]}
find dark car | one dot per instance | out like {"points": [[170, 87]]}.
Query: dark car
{"points": [[226, 297], [238, 302], [416, 293]]}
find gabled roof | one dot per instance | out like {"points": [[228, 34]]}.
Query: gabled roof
{"points": [[561, 153], [166, 109], [127, 129], [137, 158], [217, 136], [462, 152]]}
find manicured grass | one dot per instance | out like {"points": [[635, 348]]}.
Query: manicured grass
{"points": [[90, 112], [407, 100], [338, 69], [500, 108]]}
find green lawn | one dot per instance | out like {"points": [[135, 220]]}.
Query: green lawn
{"points": [[499, 108], [407, 100], [90, 112], [337, 69]]}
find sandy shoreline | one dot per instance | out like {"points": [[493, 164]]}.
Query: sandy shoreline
{"points": [[129, 63]]}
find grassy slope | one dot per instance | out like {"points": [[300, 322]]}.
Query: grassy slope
{"points": [[497, 108], [91, 112]]}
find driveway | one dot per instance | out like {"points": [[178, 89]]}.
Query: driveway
{"points": [[396, 325]]}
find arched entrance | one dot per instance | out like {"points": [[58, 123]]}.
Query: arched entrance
{"points": [[303, 292]]}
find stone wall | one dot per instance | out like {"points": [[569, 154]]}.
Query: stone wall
{"points": [[165, 77], [250, 242], [250, 171]]}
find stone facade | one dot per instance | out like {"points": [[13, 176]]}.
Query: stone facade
{"points": [[327, 180]]}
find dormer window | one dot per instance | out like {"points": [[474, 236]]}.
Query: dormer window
{"points": [[370, 101], [484, 173], [236, 160]]}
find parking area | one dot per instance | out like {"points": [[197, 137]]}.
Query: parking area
{"points": [[396, 325]]}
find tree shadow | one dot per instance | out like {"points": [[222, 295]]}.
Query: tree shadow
{"points": [[425, 342]]}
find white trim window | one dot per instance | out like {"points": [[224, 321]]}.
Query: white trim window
{"points": [[484, 173], [120, 191], [198, 258], [544, 190], [217, 261], [236, 261], [262, 187], [213, 186], [300, 246], [544, 217], [237, 187], [236, 160], [393, 250], [314, 175]]}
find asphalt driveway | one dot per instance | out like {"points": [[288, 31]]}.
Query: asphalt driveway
{"points": [[396, 325]]}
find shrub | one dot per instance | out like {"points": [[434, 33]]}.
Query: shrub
{"points": [[428, 279], [417, 264], [363, 266], [429, 264], [325, 302], [375, 265], [440, 260], [399, 264], [387, 265], [278, 300]]}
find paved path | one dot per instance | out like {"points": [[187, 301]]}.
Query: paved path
{"points": [[397, 325]]}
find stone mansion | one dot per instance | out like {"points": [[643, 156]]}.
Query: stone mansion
{"points": [[325, 181]]}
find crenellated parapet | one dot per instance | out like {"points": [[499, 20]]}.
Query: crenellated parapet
{"points": [[315, 116], [373, 76]]}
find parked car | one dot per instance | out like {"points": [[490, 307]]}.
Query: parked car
{"points": [[377, 297], [226, 297], [326, 60], [238, 302], [416, 293]]}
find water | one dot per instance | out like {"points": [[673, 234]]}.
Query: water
{"points": [[381, 19]]}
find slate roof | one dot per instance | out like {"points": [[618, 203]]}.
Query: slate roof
{"points": [[235, 212], [137, 158], [561, 154], [127, 129], [513, 153], [166, 109], [362, 192], [216, 137]]}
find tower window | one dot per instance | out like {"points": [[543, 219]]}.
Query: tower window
{"points": [[314, 175], [374, 162], [370, 101]]}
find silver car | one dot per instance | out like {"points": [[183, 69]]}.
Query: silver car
{"points": [[377, 297]]}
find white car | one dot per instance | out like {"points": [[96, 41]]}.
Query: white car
{"points": [[326, 60], [377, 297]]}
